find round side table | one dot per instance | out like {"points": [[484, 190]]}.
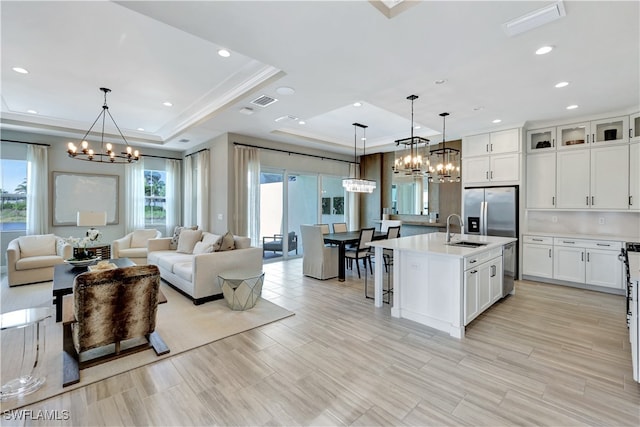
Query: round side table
{"points": [[241, 288], [23, 345]]}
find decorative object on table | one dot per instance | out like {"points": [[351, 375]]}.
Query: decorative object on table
{"points": [[413, 162], [358, 185], [446, 160], [91, 219], [106, 154], [84, 262], [241, 289], [102, 265]]}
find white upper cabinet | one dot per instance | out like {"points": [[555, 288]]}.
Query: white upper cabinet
{"points": [[573, 179], [476, 145], [634, 127], [541, 139], [610, 131], [609, 178], [506, 141], [634, 177], [574, 135], [541, 181]]}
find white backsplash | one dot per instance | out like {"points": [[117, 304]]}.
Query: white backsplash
{"points": [[616, 224]]}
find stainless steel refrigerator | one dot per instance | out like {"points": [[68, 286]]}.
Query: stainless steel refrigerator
{"points": [[493, 211]]}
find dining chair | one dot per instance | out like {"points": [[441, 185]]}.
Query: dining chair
{"points": [[318, 261], [339, 227], [387, 254], [323, 227], [361, 252]]}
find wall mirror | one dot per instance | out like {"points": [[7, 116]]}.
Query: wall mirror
{"points": [[409, 195]]}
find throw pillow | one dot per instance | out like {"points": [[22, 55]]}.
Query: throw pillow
{"points": [[188, 240], [212, 239], [227, 242], [37, 245], [173, 244], [139, 238], [202, 248]]}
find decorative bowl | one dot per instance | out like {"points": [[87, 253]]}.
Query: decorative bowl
{"points": [[574, 142], [81, 262]]}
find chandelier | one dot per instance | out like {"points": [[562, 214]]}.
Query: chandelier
{"points": [[413, 162], [107, 155], [357, 185], [446, 160]]}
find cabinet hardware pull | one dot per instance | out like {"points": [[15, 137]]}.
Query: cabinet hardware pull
{"points": [[553, 200], [630, 200], [493, 271], [553, 142], [491, 174], [549, 253], [473, 261], [593, 138], [487, 174], [587, 256], [582, 256], [630, 133], [603, 244], [474, 271], [537, 240], [491, 147], [593, 200], [587, 138], [487, 148], [587, 200], [568, 241]]}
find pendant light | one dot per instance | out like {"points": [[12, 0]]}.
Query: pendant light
{"points": [[357, 185], [447, 160], [413, 163]]}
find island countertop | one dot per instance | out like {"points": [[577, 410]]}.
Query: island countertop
{"points": [[434, 243]]}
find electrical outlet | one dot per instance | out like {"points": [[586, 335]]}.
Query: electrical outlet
{"points": [[554, 219], [601, 221], [219, 217]]}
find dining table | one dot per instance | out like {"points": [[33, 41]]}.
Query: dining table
{"points": [[342, 240]]}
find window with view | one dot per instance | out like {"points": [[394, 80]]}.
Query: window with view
{"points": [[13, 193], [155, 212]]}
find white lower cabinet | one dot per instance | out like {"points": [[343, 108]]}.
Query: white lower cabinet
{"points": [[482, 284], [568, 264], [591, 262], [538, 256]]}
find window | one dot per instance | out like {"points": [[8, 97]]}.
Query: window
{"points": [[13, 193], [154, 198]]}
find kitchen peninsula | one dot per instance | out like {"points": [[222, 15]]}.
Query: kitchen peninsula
{"points": [[442, 285]]}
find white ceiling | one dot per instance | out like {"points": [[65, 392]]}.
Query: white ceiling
{"points": [[333, 53]]}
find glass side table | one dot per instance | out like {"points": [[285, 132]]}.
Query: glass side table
{"points": [[241, 288], [23, 346]]}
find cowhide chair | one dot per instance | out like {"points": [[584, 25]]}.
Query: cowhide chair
{"points": [[113, 314]]}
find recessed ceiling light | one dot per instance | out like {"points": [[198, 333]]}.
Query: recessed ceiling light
{"points": [[183, 140], [20, 70], [285, 90], [224, 53], [302, 122], [416, 127], [440, 81], [167, 104], [141, 129], [357, 104], [572, 107], [562, 84], [496, 121], [544, 50], [32, 111], [246, 111]]}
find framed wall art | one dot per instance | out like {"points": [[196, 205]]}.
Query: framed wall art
{"points": [[338, 205], [73, 192], [326, 206]]}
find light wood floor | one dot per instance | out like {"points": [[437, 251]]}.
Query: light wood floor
{"points": [[550, 355]]}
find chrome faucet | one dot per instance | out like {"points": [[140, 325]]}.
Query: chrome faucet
{"points": [[448, 235]]}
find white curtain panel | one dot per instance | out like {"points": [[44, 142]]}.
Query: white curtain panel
{"points": [[353, 202], [247, 205], [37, 180], [134, 196], [202, 190], [173, 195], [188, 191]]}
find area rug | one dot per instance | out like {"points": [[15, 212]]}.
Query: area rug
{"points": [[182, 325]]}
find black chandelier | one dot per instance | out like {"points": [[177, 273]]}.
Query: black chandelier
{"points": [[413, 162], [107, 155]]}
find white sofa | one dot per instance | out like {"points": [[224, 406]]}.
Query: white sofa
{"points": [[134, 245], [196, 275], [30, 259]]}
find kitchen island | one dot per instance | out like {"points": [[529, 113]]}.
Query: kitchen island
{"points": [[442, 285]]}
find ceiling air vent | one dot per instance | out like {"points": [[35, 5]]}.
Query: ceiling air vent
{"points": [[534, 19], [263, 101]]}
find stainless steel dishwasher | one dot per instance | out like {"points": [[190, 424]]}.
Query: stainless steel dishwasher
{"points": [[510, 268]]}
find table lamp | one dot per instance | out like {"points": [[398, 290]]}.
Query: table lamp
{"points": [[91, 219]]}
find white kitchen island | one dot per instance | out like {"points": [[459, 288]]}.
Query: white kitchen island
{"points": [[438, 284]]}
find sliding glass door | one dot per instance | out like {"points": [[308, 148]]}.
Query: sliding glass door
{"points": [[302, 204], [271, 213]]}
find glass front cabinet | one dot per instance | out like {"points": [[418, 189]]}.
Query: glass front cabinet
{"points": [[634, 127], [574, 135], [539, 140], [610, 131]]}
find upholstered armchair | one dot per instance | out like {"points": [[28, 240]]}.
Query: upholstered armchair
{"points": [[318, 261], [109, 308], [274, 244], [134, 245], [30, 259]]}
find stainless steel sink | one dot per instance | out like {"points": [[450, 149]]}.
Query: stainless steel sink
{"points": [[465, 244]]}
